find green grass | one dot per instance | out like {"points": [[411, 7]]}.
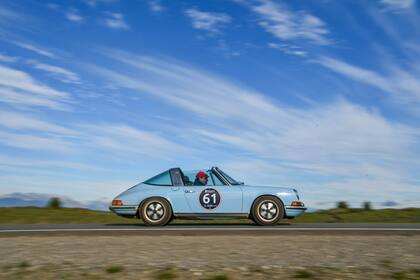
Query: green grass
{"points": [[34, 215], [408, 215], [166, 274], [114, 269], [303, 274], [23, 264]]}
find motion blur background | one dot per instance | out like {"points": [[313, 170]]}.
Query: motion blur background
{"points": [[324, 96]]}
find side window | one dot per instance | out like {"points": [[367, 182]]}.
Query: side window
{"points": [[190, 180], [163, 179], [216, 180], [176, 176]]}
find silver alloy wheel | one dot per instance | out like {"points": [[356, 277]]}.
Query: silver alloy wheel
{"points": [[155, 211], [268, 210]]}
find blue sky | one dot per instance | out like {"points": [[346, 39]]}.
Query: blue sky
{"points": [[98, 95]]}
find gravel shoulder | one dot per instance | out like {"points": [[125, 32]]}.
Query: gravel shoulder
{"points": [[206, 257]]}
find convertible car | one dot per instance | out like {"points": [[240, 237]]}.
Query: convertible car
{"points": [[210, 194]]}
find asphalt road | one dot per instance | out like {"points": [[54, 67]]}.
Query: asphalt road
{"points": [[209, 229]]}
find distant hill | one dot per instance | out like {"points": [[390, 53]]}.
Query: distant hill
{"points": [[41, 200]]}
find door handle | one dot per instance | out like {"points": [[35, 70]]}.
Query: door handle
{"points": [[189, 191]]}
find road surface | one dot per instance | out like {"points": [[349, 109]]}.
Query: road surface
{"points": [[192, 229]]}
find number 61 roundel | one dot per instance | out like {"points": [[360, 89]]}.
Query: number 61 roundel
{"points": [[209, 198]]}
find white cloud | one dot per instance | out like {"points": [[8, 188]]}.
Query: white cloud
{"points": [[20, 80], [364, 75], [94, 3], [402, 85], [126, 139], [53, 6], [20, 89], [116, 21], [208, 21], [64, 75], [155, 6], [329, 144], [18, 121], [288, 25], [8, 18], [288, 49], [398, 4], [26, 100], [7, 59], [35, 142], [20, 129], [74, 15], [22, 162], [186, 87], [35, 49]]}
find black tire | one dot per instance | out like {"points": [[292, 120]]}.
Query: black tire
{"points": [[267, 210], [156, 212]]}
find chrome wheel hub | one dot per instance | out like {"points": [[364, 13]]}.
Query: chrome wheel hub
{"points": [[268, 210], [155, 211]]}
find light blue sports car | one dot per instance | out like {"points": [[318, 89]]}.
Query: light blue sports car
{"points": [[210, 194]]}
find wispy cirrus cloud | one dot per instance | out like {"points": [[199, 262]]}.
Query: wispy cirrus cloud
{"points": [[7, 59], [35, 49], [9, 19], [20, 89], [94, 3], [208, 21], [395, 5], [30, 132], [74, 16], [288, 49], [328, 142], [288, 25], [62, 74], [126, 139], [403, 85], [35, 142], [19, 121], [116, 21], [155, 6]]}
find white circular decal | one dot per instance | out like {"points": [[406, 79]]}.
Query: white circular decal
{"points": [[209, 198]]}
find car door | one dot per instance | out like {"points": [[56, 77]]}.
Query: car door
{"points": [[215, 197]]}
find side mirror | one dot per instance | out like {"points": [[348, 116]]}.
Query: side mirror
{"points": [[241, 183]]}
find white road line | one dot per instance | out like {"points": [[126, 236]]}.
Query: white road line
{"points": [[207, 229]]}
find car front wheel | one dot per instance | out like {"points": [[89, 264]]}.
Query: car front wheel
{"points": [[156, 212], [267, 211]]}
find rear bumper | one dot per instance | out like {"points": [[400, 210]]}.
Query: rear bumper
{"points": [[294, 211], [124, 211]]}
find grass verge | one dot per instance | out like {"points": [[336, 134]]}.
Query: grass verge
{"points": [[35, 215]]}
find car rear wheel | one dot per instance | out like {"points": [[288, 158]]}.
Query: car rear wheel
{"points": [[156, 212], [267, 211]]}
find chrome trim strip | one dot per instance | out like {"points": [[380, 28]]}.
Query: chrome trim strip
{"points": [[296, 208]]}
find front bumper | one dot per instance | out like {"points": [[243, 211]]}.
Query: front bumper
{"points": [[124, 211], [294, 211]]}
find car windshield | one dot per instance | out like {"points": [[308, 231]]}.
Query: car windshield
{"points": [[227, 177]]}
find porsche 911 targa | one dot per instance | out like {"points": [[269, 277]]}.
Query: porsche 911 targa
{"points": [[206, 194]]}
